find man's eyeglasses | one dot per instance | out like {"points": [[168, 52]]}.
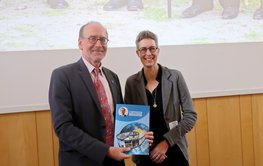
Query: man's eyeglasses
{"points": [[94, 39], [143, 50]]}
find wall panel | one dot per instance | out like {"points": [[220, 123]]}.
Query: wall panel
{"points": [[18, 144], [202, 139], [55, 147], [44, 138], [224, 131], [246, 130], [257, 109], [191, 137]]}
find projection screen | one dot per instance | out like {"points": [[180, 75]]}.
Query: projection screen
{"points": [[217, 57]]}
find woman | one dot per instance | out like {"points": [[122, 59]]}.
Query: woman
{"points": [[171, 110]]}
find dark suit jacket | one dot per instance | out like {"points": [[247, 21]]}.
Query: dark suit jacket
{"points": [[76, 114], [176, 102]]}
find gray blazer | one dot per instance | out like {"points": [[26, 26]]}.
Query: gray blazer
{"points": [[177, 104], [76, 114]]}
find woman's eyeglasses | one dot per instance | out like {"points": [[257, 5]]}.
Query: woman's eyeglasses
{"points": [[143, 50]]}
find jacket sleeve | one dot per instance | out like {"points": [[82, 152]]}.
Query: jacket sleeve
{"points": [[187, 112]]}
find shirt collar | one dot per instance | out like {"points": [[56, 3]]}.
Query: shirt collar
{"points": [[89, 66]]}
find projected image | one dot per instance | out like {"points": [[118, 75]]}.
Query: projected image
{"points": [[54, 24]]}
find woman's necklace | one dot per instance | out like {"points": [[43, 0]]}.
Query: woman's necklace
{"points": [[154, 98], [151, 83]]}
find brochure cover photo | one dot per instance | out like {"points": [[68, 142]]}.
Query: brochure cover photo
{"points": [[132, 121]]}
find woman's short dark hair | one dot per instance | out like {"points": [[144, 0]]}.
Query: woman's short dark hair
{"points": [[146, 35]]}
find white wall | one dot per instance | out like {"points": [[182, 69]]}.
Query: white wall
{"points": [[209, 70]]}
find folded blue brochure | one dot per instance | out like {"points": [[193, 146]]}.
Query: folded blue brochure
{"points": [[131, 123]]}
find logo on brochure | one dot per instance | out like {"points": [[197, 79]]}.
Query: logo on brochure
{"points": [[123, 111]]}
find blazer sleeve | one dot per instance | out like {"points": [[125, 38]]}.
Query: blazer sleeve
{"points": [[189, 116]]}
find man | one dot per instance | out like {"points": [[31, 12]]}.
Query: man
{"points": [[258, 15], [57, 4], [132, 5], [230, 8], [78, 114]]}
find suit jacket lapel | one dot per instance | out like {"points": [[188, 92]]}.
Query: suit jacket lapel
{"points": [[166, 87], [85, 76], [140, 88], [112, 84]]}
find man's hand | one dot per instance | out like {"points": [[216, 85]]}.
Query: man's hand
{"points": [[118, 153]]}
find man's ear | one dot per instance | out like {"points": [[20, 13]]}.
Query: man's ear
{"points": [[80, 44]]}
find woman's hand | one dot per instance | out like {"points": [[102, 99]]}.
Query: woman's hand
{"points": [[158, 154], [149, 136]]}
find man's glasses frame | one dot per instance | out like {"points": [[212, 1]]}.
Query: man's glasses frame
{"points": [[94, 39], [143, 50]]}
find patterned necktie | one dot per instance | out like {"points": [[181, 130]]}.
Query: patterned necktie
{"points": [[105, 107]]}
